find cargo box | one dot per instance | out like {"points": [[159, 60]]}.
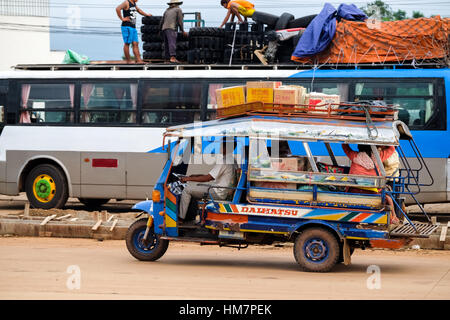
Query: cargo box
{"points": [[289, 95], [230, 96], [261, 91], [319, 102]]}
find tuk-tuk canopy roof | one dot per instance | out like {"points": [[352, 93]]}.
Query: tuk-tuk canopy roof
{"points": [[297, 128]]}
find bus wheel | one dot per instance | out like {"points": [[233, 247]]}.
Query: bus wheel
{"points": [[316, 250], [93, 203], [150, 250], [46, 187]]}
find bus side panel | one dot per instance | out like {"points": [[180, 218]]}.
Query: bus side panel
{"points": [[16, 161], [142, 173], [103, 174], [2, 177]]}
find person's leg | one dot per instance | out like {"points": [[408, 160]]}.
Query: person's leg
{"points": [[393, 217], [166, 46], [136, 52], [126, 45], [172, 39], [126, 52], [191, 190], [135, 42]]}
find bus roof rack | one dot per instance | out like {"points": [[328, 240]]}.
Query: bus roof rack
{"points": [[117, 66]]}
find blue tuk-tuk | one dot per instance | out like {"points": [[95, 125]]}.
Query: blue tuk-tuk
{"points": [[286, 194]]}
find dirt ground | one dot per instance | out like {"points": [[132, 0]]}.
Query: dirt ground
{"points": [[42, 268]]}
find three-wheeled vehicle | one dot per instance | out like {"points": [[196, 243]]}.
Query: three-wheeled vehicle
{"points": [[287, 194]]}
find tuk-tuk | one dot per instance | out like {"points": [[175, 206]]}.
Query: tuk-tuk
{"points": [[283, 192]]}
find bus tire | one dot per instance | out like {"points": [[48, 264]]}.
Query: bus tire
{"points": [[316, 250], [46, 187], [92, 203], [150, 251]]}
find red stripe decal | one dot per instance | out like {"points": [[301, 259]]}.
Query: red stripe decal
{"points": [[104, 163], [360, 217]]}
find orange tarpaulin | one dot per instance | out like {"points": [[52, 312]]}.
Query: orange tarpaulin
{"points": [[387, 41]]}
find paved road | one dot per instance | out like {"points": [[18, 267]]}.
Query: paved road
{"points": [[36, 268]]}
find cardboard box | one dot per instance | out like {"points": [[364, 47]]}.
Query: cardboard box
{"points": [[289, 95], [320, 101], [230, 96], [261, 91]]}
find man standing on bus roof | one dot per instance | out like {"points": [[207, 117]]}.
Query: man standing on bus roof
{"points": [[171, 20], [129, 32], [237, 8]]}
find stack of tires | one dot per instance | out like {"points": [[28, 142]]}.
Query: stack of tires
{"points": [[151, 38], [247, 38], [153, 42], [206, 45]]}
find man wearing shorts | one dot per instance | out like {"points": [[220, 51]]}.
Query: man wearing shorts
{"points": [[237, 8], [129, 32]]}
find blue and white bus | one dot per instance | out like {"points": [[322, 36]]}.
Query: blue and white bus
{"points": [[97, 134]]}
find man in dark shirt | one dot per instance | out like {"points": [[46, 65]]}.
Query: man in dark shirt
{"points": [[129, 32], [172, 19]]}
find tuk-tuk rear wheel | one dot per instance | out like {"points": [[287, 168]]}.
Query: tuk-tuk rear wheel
{"points": [[316, 250], [150, 250]]}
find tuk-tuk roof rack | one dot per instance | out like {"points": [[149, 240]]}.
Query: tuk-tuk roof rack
{"points": [[357, 111]]}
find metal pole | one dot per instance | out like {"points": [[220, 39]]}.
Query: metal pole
{"points": [[310, 156], [330, 152]]}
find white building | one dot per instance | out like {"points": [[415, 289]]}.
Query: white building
{"points": [[25, 33]]}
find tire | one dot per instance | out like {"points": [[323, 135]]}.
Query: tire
{"points": [[46, 187], [150, 252], [152, 46], [326, 244], [283, 21], [151, 37], [302, 22], [148, 55], [152, 20], [150, 29], [206, 32], [266, 18], [93, 203], [182, 37]]}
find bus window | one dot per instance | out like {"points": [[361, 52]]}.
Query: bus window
{"points": [[416, 100], [330, 88], [47, 103], [109, 103], [171, 103]]}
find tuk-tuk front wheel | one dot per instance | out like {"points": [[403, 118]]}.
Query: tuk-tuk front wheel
{"points": [[316, 250], [150, 249]]}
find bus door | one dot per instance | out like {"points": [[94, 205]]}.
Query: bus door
{"points": [[103, 175]]}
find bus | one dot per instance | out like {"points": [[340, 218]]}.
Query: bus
{"points": [[96, 134]]}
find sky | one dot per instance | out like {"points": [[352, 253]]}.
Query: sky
{"points": [[92, 28]]}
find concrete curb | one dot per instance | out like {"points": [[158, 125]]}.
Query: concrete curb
{"points": [[33, 228]]}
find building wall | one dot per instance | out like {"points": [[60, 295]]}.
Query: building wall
{"points": [[26, 40]]}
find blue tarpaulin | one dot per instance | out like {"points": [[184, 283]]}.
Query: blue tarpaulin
{"points": [[321, 30]]}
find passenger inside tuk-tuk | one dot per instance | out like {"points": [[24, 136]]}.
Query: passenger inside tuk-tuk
{"points": [[222, 174]]}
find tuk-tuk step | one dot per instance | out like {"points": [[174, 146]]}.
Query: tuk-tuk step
{"points": [[405, 230]]}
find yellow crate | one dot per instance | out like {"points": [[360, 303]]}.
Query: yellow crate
{"points": [[231, 96]]}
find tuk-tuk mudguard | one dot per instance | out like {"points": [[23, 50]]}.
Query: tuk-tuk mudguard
{"points": [[146, 206], [151, 208]]}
